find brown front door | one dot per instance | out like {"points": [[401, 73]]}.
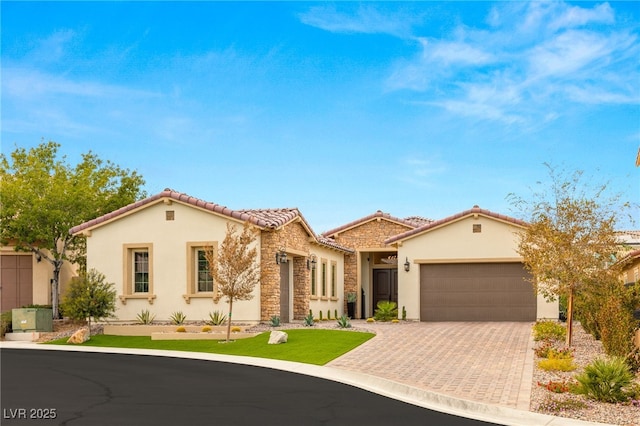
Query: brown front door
{"points": [[16, 281], [284, 292], [385, 286]]}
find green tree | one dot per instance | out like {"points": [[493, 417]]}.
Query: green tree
{"points": [[234, 268], [42, 197], [570, 240], [89, 296]]}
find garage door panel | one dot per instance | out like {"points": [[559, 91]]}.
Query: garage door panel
{"points": [[476, 292]]}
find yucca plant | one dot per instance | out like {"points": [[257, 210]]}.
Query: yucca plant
{"points": [[145, 317], [606, 379], [344, 322], [177, 318], [216, 318], [386, 311]]}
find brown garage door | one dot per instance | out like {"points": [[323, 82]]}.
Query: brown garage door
{"points": [[476, 292], [16, 281]]}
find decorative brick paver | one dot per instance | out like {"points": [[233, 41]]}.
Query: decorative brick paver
{"points": [[481, 361]]}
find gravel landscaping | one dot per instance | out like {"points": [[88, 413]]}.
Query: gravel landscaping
{"points": [[586, 349]]}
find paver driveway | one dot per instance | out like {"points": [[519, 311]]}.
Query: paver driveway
{"points": [[481, 361]]}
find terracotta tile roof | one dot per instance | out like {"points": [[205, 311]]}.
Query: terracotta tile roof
{"points": [[176, 196], [435, 224], [629, 237], [409, 222], [263, 218], [418, 220]]}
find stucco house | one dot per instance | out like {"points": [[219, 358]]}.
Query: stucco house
{"points": [[153, 250], [461, 268]]}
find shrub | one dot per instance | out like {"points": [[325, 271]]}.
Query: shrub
{"points": [[5, 322], [404, 314], [216, 318], [236, 329], [181, 329], [386, 311], [557, 387], [616, 325], [557, 363], [605, 379], [206, 329], [89, 296], [308, 320], [177, 318], [320, 315], [633, 359], [274, 321], [371, 319], [548, 330], [344, 322], [145, 317]]}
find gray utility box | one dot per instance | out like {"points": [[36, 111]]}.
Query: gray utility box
{"points": [[31, 319]]}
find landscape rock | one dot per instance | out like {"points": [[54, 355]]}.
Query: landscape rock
{"points": [[276, 337], [79, 336]]}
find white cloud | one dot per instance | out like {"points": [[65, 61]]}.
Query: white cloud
{"points": [[365, 19]]}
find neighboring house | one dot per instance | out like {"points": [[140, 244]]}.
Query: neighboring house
{"points": [[631, 271], [25, 279], [153, 251], [461, 268]]}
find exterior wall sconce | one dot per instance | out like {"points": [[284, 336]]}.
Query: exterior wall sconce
{"points": [[407, 265], [311, 261], [281, 257]]}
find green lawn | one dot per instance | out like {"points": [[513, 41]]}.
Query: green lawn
{"points": [[311, 346]]}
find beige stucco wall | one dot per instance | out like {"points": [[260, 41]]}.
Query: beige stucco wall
{"points": [[319, 303], [169, 239], [456, 242]]}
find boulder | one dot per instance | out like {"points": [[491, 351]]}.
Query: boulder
{"points": [[79, 336], [277, 337]]}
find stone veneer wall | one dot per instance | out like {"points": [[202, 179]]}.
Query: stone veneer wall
{"points": [[291, 236], [368, 235]]}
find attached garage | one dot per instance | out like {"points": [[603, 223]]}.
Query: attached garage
{"points": [[476, 292]]}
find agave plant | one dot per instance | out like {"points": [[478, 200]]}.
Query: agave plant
{"points": [[177, 318], [145, 317], [308, 320], [344, 322], [217, 318], [274, 321]]}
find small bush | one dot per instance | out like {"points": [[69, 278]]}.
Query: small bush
{"points": [[548, 330], [177, 318], [181, 329], [344, 322], [554, 363], [371, 319], [216, 318], [236, 329], [274, 321], [320, 315], [5, 322], [605, 379], [559, 387], [386, 311], [145, 317], [206, 329]]}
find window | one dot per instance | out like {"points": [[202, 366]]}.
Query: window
{"points": [[205, 281], [141, 271], [314, 291], [199, 283], [477, 228], [137, 272], [334, 279], [324, 278]]}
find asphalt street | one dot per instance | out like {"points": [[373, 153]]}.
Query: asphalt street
{"points": [[85, 389]]}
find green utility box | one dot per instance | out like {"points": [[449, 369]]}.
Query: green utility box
{"points": [[31, 319]]}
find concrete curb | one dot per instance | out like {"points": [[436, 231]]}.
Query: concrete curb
{"points": [[412, 395]]}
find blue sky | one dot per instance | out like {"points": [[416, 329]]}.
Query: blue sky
{"points": [[339, 109]]}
